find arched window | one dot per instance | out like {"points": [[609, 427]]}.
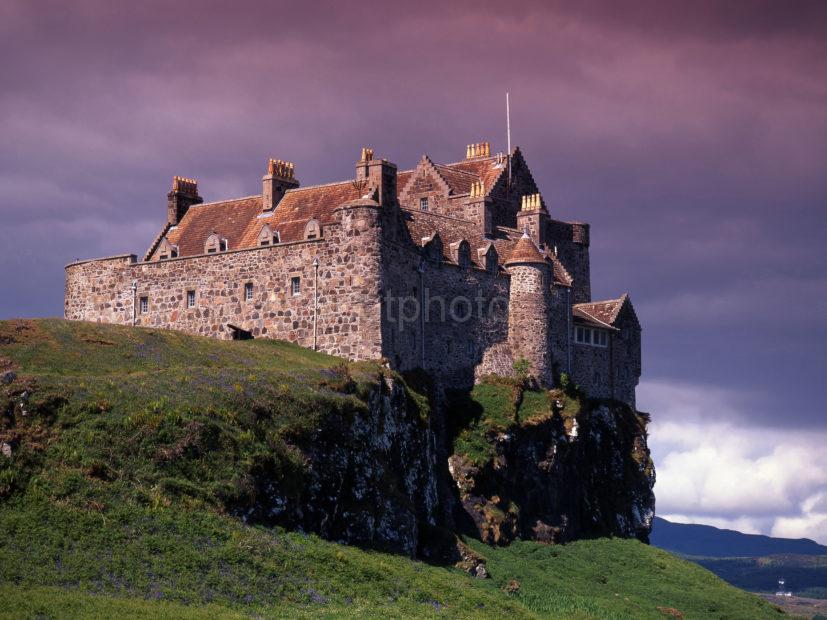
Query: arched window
{"points": [[215, 243], [312, 230], [267, 236]]}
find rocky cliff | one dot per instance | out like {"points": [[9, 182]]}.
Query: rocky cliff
{"points": [[368, 478], [549, 466]]}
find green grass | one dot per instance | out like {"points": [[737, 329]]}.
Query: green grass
{"points": [[131, 445], [499, 405]]}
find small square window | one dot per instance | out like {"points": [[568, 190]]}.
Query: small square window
{"points": [[423, 204], [190, 299], [295, 285], [248, 291], [144, 305], [222, 245]]}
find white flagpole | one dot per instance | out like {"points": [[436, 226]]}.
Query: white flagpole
{"points": [[508, 131]]}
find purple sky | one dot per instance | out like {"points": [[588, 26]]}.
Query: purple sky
{"points": [[693, 137]]}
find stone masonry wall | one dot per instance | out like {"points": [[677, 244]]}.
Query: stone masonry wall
{"points": [[348, 283], [462, 312], [529, 318]]}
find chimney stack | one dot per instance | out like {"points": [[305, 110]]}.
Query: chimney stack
{"points": [[380, 175], [184, 194], [480, 149], [533, 216], [280, 177]]}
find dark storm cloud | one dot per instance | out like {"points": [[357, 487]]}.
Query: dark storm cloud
{"points": [[691, 135]]}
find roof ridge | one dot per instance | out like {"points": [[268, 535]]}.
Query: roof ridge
{"points": [[294, 190], [438, 215], [157, 241], [218, 202], [470, 174], [594, 318], [475, 159]]}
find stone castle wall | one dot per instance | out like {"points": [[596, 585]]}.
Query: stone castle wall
{"points": [[348, 320]]}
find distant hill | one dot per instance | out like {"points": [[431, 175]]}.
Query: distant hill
{"points": [[708, 541]]}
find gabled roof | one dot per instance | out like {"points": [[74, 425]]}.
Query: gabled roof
{"points": [[602, 313], [240, 220], [485, 169]]}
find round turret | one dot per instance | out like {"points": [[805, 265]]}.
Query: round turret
{"points": [[529, 306]]}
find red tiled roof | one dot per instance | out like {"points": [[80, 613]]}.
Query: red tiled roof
{"points": [[458, 180], [240, 221], [603, 312], [525, 251], [423, 224], [486, 169]]}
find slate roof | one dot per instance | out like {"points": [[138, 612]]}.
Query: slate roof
{"points": [[600, 313]]}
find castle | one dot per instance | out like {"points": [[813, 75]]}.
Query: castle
{"points": [[458, 269]]}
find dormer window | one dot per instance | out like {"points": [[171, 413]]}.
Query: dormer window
{"points": [[312, 230], [432, 248], [267, 236], [423, 204], [215, 243], [488, 258], [166, 250], [464, 255]]}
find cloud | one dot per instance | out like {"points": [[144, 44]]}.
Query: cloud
{"points": [[714, 465], [812, 523]]}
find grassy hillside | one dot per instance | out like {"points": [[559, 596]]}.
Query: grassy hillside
{"points": [[127, 446]]}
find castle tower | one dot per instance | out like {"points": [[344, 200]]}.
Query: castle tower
{"points": [[281, 176], [361, 226], [184, 194], [529, 306]]}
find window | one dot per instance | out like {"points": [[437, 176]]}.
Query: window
{"points": [[214, 244], [594, 337], [167, 250], [267, 236], [248, 291], [144, 305], [296, 285], [190, 299], [423, 204], [312, 230]]}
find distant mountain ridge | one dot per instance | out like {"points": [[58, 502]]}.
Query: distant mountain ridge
{"points": [[708, 541]]}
